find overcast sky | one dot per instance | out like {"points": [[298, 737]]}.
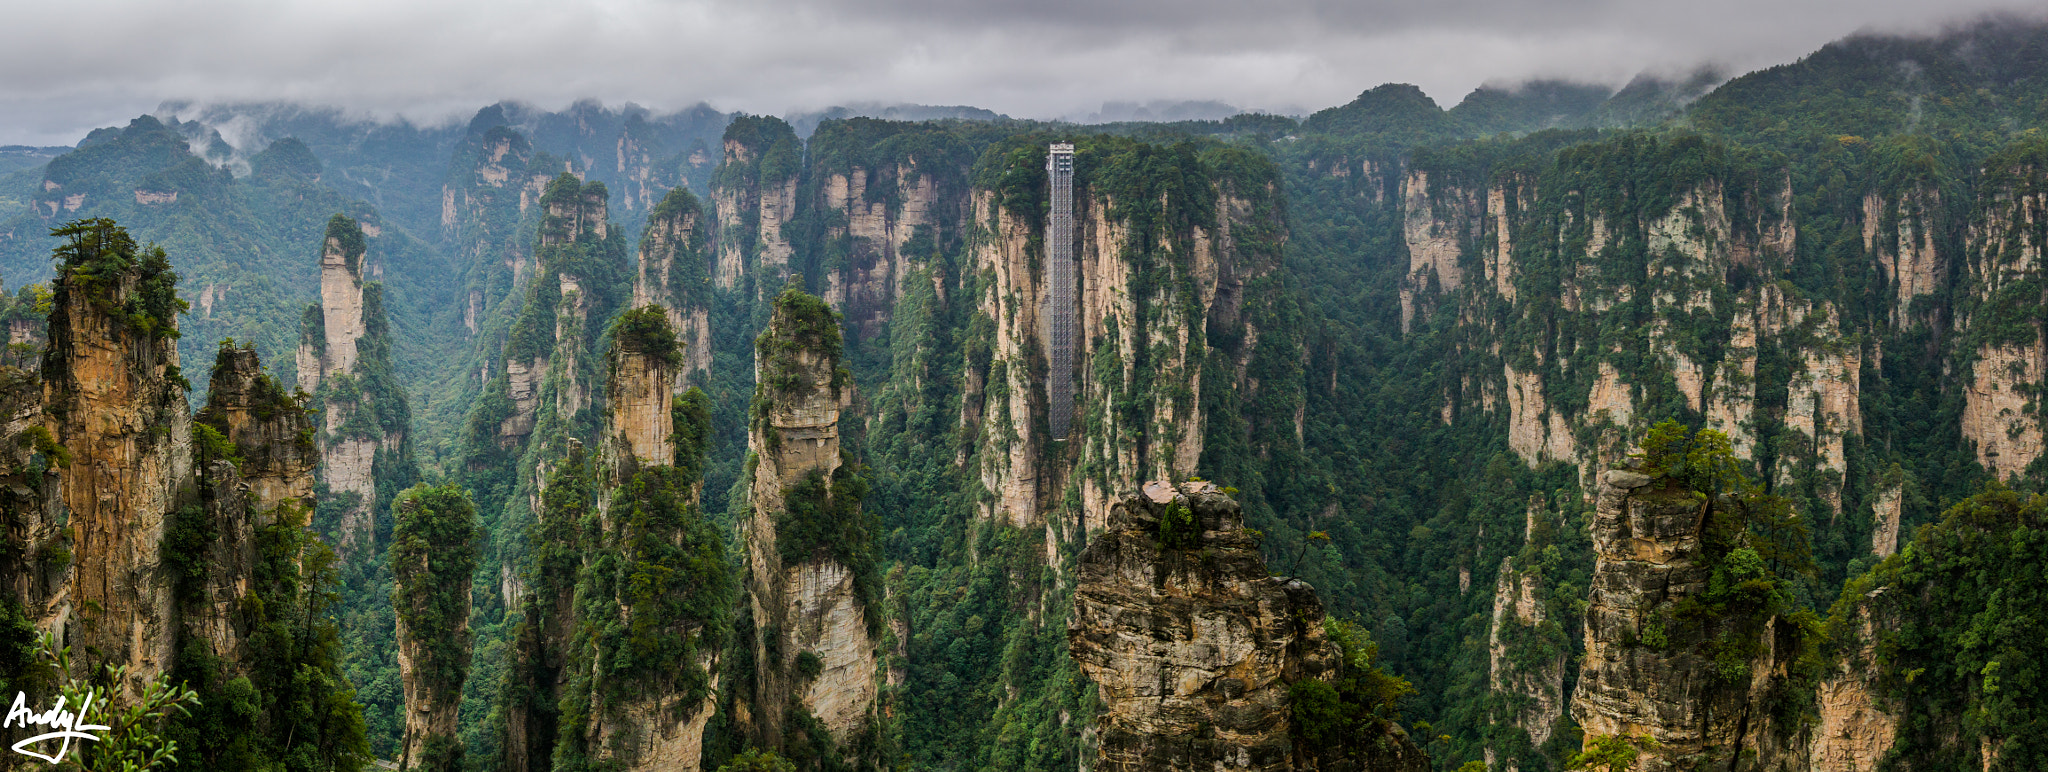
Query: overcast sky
{"points": [[67, 67]]}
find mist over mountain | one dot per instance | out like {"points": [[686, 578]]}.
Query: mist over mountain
{"points": [[1553, 402]]}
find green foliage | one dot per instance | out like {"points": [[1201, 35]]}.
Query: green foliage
{"points": [[1957, 625], [290, 708], [646, 330], [822, 519], [1611, 753], [1344, 716], [208, 445], [433, 557], [803, 324], [1178, 528], [39, 438], [99, 256], [137, 736], [757, 761]]}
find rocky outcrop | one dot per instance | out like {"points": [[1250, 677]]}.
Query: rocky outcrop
{"points": [[1193, 644], [116, 402], [880, 185], [364, 411], [1856, 726], [1646, 671], [268, 428], [1438, 223], [267, 479], [755, 194], [674, 273], [433, 556], [806, 599]]}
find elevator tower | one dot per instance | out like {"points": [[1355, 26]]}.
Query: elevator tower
{"points": [[1057, 319]]}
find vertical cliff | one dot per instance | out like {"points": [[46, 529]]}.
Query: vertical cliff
{"points": [[257, 591], [1526, 659], [433, 557], [1688, 639], [674, 273], [880, 198], [548, 365], [641, 669], [755, 193], [345, 362], [810, 547], [1154, 281], [115, 400], [2002, 343], [255, 455], [1203, 657]]}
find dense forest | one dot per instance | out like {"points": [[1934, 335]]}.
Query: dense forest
{"points": [[1691, 422]]}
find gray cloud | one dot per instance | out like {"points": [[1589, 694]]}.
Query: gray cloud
{"points": [[68, 67]]}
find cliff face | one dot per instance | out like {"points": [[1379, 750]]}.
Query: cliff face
{"points": [[116, 402], [877, 231], [1857, 724], [1600, 313], [674, 273], [755, 193], [1193, 644], [2005, 350], [344, 360], [1647, 669], [268, 480], [269, 431], [1526, 659], [548, 363], [814, 646], [1149, 294]]}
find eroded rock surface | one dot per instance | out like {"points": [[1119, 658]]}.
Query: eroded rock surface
{"points": [[1193, 646]]}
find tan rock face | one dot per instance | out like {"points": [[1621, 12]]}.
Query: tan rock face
{"points": [[832, 625], [1906, 249], [522, 385], [112, 404], [750, 220], [1856, 727], [812, 605], [639, 394], [272, 435], [1535, 432], [1437, 224], [872, 281], [1192, 655], [1885, 511], [651, 735], [1644, 672], [668, 244], [341, 302], [2004, 253], [1169, 338], [1538, 690], [1998, 412]]}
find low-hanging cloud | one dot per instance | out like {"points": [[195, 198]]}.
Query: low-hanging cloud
{"points": [[65, 68]]}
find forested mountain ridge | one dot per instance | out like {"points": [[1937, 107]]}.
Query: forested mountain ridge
{"points": [[773, 408]]}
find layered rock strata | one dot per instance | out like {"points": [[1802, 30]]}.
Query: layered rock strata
{"points": [[1646, 671], [1193, 644], [115, 401], [809, 607]]}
